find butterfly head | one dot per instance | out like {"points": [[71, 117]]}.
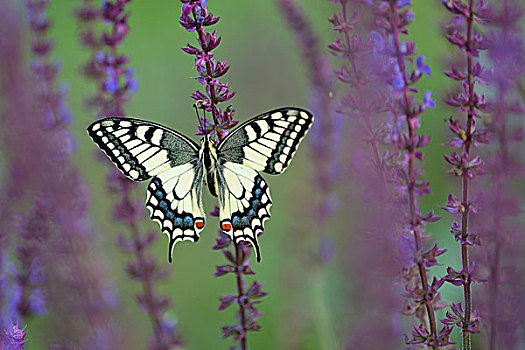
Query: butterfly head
{"points": [[207, 141]]}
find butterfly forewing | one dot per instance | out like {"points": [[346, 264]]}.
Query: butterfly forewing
{"points": [[267, 142], [245, 202], [141, 149]]}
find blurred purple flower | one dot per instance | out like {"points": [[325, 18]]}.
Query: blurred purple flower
{"points": [[13, 338], [53, 199], [423, 67], [398, 57], [397, 80], [428, 102], [500, 301], [327, 131], [373, 79], [116, 81], [111, 84], [28, 298]]}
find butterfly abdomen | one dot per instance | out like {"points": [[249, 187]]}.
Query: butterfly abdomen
{"points": [[209, 158]]}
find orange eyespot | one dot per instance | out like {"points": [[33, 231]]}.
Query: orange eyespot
{"points": [[226, 226], [199, 224]]}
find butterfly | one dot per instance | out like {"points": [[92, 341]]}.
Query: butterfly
{"points": [[176, 165]]}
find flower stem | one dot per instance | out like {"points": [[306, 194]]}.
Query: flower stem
{"points": [[465, 189], [240, 294]]}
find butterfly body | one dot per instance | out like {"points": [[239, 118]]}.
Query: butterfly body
{"points": [[209, 156], [177, 167]]}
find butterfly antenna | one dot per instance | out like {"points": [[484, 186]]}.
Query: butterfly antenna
{"points": [[198, 105], [198, 116]]}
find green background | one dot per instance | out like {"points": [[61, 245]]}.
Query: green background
{"points": [[267, 71]]}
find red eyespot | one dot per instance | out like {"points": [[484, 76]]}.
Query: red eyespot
{"points": [[199, 223], [226, 226]]}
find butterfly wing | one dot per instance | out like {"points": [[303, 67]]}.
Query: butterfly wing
{"points": [[174, 200], [142, 150], [267, 142], [244, 200]]}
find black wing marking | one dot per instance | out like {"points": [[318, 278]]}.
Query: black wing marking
{"points": [[267, 142], [174, 200], [245, 202], [141, 149]]}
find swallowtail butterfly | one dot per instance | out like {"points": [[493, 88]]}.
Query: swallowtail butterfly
{"points": [[176, 166]]}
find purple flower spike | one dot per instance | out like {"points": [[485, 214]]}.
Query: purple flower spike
{"points": [[398, 58], [392, 67], [462, 33], [498, 225], [109, 70], [194, 18]]}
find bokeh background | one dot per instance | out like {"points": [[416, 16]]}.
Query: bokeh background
{"points": [[307, 307]]}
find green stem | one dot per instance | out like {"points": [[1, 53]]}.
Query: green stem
{"points": [[321, 315], [465, 184]]}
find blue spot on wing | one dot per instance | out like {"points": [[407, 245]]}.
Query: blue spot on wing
{"points": [[163, 205], [258, 192], [178, 221], [188, 221], [170, 215], [159, 194]]}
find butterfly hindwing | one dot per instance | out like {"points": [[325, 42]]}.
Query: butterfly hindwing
{"points": [[174, 200], [267, 142], [244, 199], [141, 149]]}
